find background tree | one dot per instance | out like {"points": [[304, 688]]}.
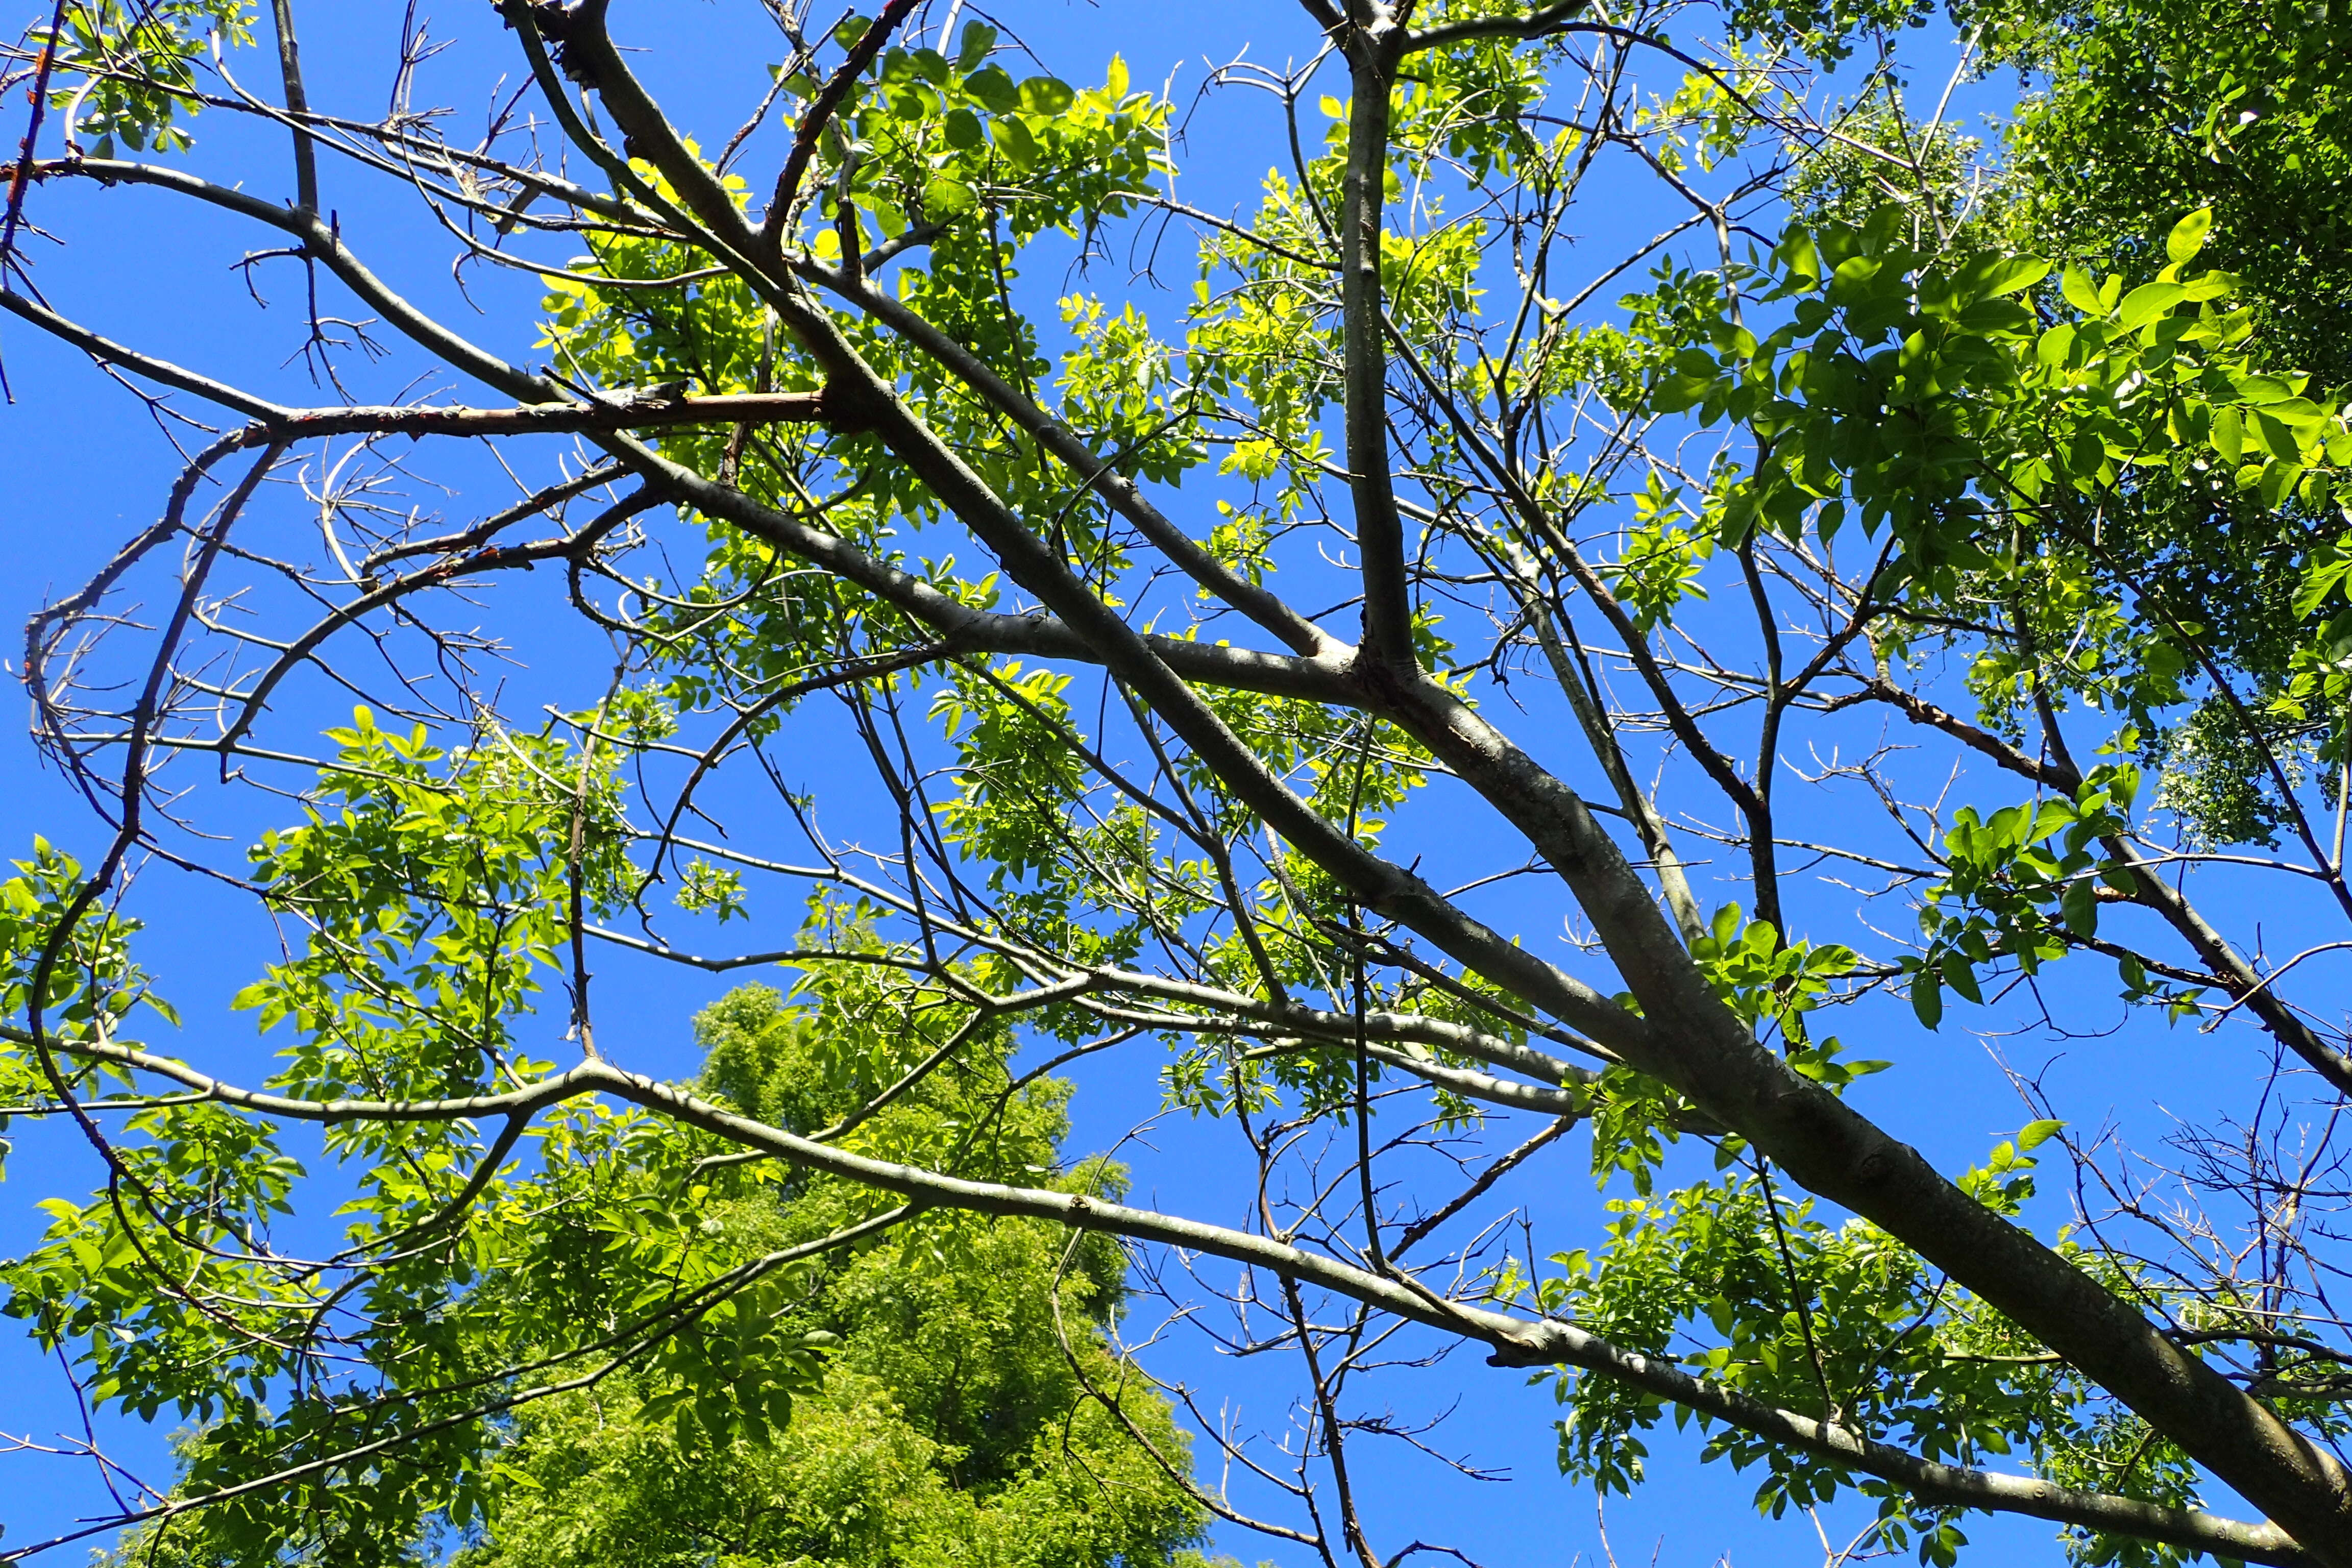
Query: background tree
{"points": [[951, 1420], [2141, 113], [1530, 708]]}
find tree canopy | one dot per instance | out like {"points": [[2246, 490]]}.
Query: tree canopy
{"points": [[930, 1405], [1455, 705]]}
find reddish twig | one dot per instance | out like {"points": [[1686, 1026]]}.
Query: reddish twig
{"points": [[21, 178], [821, 112]]}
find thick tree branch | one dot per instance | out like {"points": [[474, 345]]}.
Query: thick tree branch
{"points": [[1697, 1046], [634, 411], [1268, 609], [1538, 23], [298, 105], [1380, 526]]}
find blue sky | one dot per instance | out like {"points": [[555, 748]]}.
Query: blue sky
{"points": [[86, 468]]}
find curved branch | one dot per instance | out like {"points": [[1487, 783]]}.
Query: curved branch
{"points": [[1516, 1342], [1461, 1082], [1538, 23], [1513, 1342], [109, 351]]}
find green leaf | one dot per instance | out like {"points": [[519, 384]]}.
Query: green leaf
{"points": [[1961, 976], [2079, 906], [962, 129], [977, 39], [2277, 438], [1019, 146], [2149, 302], [992, 89], [2266, 389], [2014, 274], [1857, 278], [1927, 997], [2187, 235], [1043, 95], [2229, 434], [2086, 454], [2033, 1134], [2081, 292]]}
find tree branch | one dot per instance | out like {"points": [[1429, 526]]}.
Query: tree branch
{"points": [[1515, 1341], [1380, 526], [820, 114], [1536, 24]]}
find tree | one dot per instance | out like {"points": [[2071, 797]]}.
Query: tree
{"points": [[2154, 110], [1181, 780], [950, 1419]]}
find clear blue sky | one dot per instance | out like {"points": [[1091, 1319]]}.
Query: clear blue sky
{"points": [[86, 468]]}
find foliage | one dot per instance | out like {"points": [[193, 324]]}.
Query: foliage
{"points": [[2142, 112], [930, 1401], [947, 1424], [135, 69], [915, 689]]}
